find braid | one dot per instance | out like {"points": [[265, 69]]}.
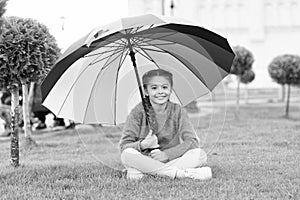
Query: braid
{"points": [[150, 113]]}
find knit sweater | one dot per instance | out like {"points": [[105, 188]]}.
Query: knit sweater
{"points": [[175, 135]]}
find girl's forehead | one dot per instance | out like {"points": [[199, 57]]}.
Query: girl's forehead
{"points": [[159, 80]]}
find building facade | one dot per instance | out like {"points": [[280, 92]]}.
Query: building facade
{"points": [[267, 28]]}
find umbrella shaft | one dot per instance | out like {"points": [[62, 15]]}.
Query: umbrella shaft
{"points": [[151, 122], [136, 73], [131, 53]]}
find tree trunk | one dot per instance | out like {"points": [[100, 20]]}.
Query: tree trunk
{"points": [[238, 93], [31, 96], [246, 94], [15, 115], [288, 101], [282, 93], [26, 118], [1, 93]]}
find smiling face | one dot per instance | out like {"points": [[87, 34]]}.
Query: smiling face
{"points": [[159, 90]]}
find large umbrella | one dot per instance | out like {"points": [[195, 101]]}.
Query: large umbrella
{"points": [[94, 81]]}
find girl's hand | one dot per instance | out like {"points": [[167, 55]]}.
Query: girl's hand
{"points": [[159, 155], [150, 141]]}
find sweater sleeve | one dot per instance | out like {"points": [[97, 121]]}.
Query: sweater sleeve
{"points": [[188, 137], [130, 134]]}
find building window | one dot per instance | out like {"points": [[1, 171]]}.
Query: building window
{"points": [[204, 14], [230, 14], [284, 18], [295, 12], [270, 14], [241, 15]]}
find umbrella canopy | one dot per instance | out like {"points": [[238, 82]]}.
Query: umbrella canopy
{"points": [[94, 80]]}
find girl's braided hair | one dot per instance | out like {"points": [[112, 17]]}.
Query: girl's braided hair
{"points": [[156, 72], [150, 114]]}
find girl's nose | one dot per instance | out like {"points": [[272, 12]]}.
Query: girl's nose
{"points": [[160, 90]]}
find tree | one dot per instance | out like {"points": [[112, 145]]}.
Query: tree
{"points": [[2, 10], [242, 63], [247, 78], [285, 70], [27, 51]]}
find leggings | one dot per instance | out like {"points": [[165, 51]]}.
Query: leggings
{"points": [[193, 158]]}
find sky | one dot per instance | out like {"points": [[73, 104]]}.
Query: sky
{"points": [[69, 20]]}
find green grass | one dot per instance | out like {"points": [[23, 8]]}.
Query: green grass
{"points": [[255, 157]]}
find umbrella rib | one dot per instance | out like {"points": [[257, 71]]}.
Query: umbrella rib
{"points": [[120, 42], [117, 77], [145, 56], [104, 67], [207, 53], [149, 38], [109, 39], [65, 99], [108, 51], [143, 42], [140, 34], [73, 87], [116, 40], [170, 43], [133, 30], [128, 31], [150, 27], [170, 53], [136, 29], [107, 63], [96, 61], [151, 59], [139, 39], [156, 50], [110, 46]]}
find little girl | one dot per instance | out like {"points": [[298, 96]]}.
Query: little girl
{"points": [[176, 151]]}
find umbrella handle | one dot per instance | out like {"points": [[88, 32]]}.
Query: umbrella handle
{"points": [[150, 115]]}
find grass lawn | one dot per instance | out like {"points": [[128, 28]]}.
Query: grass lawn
{"points": [[254, 157]]}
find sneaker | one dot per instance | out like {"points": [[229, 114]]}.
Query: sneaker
{"points": [[134, 174], [201, 173]]}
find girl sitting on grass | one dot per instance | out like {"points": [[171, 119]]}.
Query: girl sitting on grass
{"points": [[174, 149]]}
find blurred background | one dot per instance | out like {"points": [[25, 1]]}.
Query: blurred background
{"points": [[266, 28]]}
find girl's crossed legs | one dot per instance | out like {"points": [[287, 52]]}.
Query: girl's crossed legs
{"points": [[134, 160]]}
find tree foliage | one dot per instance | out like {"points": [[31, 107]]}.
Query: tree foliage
{"points": [[27, 51], [2, 10], [242, 61], [242, 68], [248, 76], [285, 69]]}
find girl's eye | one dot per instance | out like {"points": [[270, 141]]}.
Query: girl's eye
{"points": [[165, 87], [154, 88]]}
